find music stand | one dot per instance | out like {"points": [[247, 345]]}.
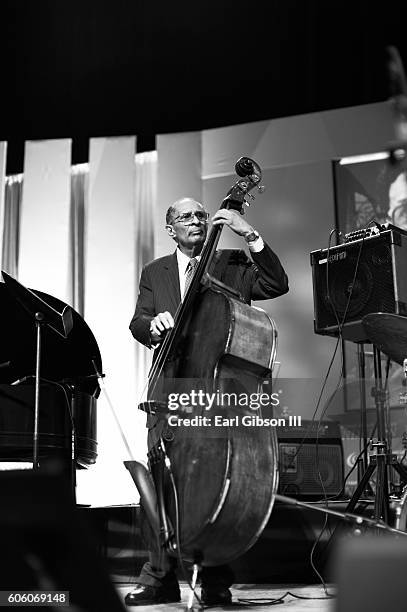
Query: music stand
{"points": [[42, 314]]}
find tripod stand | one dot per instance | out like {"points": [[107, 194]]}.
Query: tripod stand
{"points": [[381, 459]]}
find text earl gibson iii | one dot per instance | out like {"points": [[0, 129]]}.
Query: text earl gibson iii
{"points": [[247, 420]]}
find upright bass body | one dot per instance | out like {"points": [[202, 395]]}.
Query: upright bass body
{"points": [[225, 474]]}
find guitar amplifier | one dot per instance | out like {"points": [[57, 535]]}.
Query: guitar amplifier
{"points": [[380, 284], [310, 460]]}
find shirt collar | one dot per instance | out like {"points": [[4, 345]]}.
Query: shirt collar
{"points": [[183, 261]]}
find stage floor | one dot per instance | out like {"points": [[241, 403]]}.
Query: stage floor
{"points": [[258, 594]]}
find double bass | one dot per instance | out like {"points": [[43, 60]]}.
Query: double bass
{"points": [[215, 486]]}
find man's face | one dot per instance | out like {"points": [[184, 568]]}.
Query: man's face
{"points": [[191, 233]]}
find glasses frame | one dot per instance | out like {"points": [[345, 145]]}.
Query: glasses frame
{"points": [[194, 214]]}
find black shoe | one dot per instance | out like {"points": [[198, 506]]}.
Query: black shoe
{"points": [[145, 595], [215, 596]]}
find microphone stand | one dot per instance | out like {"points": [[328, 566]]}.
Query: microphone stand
{"points": [[39, 318], [347, 516], [73, 442], [363, 462]]}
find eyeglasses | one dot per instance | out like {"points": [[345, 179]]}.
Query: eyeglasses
{"points": [[188, 217]]}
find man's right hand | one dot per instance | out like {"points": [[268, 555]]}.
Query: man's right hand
{"points": [[159, 325]]}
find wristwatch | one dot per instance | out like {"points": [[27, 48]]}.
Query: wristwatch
{"points": [[252, 236]]}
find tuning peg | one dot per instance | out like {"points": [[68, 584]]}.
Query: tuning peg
{"points": [[247, 204], [261, 188]]}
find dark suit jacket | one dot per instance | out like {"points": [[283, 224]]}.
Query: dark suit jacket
{"points": [[159, 284]]}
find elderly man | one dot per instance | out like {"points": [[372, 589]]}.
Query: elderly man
{"points": [[163, 284]]}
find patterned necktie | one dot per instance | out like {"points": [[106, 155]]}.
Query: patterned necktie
{"points": [[190, 273]]}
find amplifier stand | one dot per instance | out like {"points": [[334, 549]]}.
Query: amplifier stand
{"points": [[381, 457]]}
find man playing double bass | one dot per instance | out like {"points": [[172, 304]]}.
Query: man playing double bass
{"points": [[163, 283]]}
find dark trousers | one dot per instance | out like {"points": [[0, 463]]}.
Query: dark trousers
{"points": [[160, 571]]}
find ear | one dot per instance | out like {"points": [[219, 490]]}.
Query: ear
{"points": [[170, 231]]}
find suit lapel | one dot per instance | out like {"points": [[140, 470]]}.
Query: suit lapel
{"points": [[171, 280]]}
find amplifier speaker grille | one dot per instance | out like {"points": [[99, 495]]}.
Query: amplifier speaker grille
{"points": [[379, 285], [299, 469]]}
